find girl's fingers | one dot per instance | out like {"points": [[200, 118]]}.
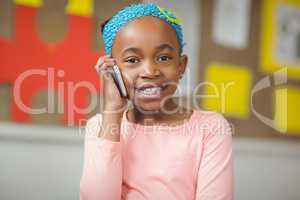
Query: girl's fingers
{"points": [[103, 59], [107, 65], [106, 56], [109, 60], [104, 64], [107, 75], [100, 62], [105, 68]]}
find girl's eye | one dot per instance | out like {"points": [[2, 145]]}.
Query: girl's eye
{"points": [[132, 60], [164, 58]]}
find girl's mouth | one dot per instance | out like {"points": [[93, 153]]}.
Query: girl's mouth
{"points": [[150, 91]]}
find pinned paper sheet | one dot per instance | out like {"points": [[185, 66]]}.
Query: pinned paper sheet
{"points": [[287, 109], [280, 36], [288, 48], [227, 90], [231, 20]]}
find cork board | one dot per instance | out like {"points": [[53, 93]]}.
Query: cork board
{"points": [[248, 57]]}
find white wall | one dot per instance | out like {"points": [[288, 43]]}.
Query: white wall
{"points": [[39, 163], [267, 169], [45, 163]]}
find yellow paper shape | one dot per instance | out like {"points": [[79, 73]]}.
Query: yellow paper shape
{"points": [[80, 7], [287, 109], [227, 90], [269, 38], [30, 3]]}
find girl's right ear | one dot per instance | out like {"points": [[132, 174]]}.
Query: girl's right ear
{"points": [[182, 64]]}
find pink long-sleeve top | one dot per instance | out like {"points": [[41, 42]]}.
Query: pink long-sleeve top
{"points": [[191, 161]]}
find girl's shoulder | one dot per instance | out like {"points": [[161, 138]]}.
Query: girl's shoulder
{"points": [[212, 123], [209, 116]]}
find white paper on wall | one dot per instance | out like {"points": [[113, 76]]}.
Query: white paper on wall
{"points": [[287, 48], [231, 19]]}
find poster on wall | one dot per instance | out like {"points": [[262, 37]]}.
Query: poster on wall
{"points": [[231, 20], [288, 46], [280, 37]]}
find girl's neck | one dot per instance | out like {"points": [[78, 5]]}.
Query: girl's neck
{"points": [[177, 115]]}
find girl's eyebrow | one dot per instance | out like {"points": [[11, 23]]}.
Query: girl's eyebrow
{"points": [[131, 49], [137, 50], [165, 46]]}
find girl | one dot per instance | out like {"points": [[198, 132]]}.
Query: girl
{"points": [[155, 150]]}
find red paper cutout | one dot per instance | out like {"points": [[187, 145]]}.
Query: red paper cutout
{"points": [[73, 55]]}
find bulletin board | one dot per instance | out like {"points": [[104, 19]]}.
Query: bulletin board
{"points": [[247, 63]]}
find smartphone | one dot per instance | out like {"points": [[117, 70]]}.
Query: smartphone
{"points": [[117, 76]]}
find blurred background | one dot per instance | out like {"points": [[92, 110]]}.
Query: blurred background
{"points": [[244, 62]]}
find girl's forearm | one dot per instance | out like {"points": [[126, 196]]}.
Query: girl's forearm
{"points": [[102, 158]]}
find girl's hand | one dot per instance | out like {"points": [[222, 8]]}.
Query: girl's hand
{"points": [[113, 102]]}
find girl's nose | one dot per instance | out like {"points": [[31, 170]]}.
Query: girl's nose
{"points": [[150, 70]]}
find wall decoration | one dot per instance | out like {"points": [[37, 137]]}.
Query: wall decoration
{"points": [[67, 67], [280, 38], [227, 89], [231, 21]]}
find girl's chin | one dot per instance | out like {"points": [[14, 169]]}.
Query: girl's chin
{"points": [[148, 108]]}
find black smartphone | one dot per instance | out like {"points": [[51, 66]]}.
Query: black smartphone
{"points": [[117, 76]]}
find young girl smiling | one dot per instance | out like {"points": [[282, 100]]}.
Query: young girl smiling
{"points": [[155, 150]]}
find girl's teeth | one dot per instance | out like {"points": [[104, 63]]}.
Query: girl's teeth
{"points": [[152, 90]]}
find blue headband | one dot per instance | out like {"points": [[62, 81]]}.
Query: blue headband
{"points": [[134, 11]]}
